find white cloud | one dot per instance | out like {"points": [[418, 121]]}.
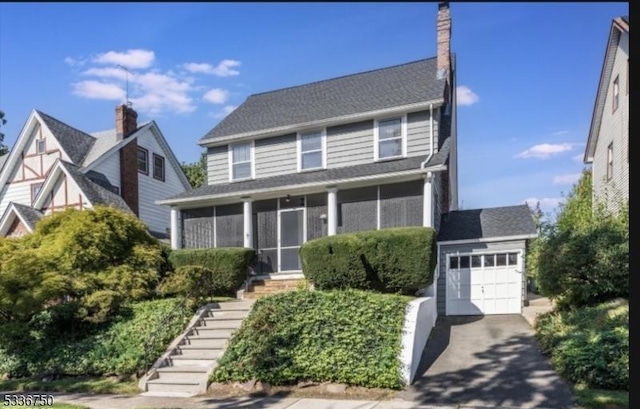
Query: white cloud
{"points": [[544, 150], [559, 133], [110, 72], [225, 111], [131, 59], [568, 179], [216, 96], [162, 92], [224, 69], [465, 96], [98, 90], [74, 62], [546, 203]]}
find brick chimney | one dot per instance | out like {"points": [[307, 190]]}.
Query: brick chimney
{"points": [[126, 125], [443, 28]]}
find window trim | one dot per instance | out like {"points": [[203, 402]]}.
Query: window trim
{"points": [[615, 102], [33, 185], [376, 137], [44, 149], [252, 155], [164, 168], [146, 160], [323, 149], [610, 161]]}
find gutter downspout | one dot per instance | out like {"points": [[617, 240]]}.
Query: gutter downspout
{"points": [[423, 164]]}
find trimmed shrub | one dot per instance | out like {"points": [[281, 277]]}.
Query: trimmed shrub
{"points": [[228, 264], [192, 282], [389, 260], [349, 336], [589, 345]]}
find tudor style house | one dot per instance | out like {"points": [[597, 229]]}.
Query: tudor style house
{"points": [[371, 150], [608, 143], [53, 166]]}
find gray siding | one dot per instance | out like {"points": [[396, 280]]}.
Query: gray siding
{"points": [[218, 165], [276, 156], [436, 188], [350, 144], [419, 133], [471, 248]]}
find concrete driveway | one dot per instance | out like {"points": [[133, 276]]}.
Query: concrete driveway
{"points": [[486, 361]]}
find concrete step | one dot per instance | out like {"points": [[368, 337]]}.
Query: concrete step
{"points": [[218, 324], [196, 352], [182, 360], [204, 342], [226, 315], [184, 369], [173, 385], [231, 306], [210, 333]]}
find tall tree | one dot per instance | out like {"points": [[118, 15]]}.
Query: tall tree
{"points": [[3, 148], [196, 172]]}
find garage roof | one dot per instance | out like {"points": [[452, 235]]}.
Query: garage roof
{"points": [[495, 222]]}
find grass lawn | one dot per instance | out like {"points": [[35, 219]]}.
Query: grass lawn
{"points": [[72, 385], [600, 398]]}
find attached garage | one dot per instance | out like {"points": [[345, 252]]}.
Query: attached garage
{"points": [[481, 264]]}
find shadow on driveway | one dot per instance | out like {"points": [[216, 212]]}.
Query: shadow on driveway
{"points": [[486, 361]]}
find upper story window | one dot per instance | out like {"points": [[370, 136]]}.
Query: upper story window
{"points": [[35, 189], [616, 93], [312, 146], [390, 136], [241, 161], [158, 167], [143, 160], [610, 161], [41, 146]]}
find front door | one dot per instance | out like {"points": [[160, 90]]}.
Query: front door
{"points": [[290, 237]]}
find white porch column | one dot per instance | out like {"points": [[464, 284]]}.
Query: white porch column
{"points": [[332, 210], [176, 233], [427, 202], [248, 222]]}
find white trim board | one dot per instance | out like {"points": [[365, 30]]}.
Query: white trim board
{"points": [[489, 239]]}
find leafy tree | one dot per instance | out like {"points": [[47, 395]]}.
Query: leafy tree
{"points": [[90, 261], [196, 172], [3, 148]]}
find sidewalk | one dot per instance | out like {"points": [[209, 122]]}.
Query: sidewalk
{"points": [[537, 305]]}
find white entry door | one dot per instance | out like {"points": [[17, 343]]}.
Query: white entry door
{"points": [[484, 284], [291, 235]]}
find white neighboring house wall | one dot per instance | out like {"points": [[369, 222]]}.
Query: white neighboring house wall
{"points": [[156, 217], [32, 167], [614, 131]]}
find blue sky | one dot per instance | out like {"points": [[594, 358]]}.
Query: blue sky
{"points": [[527, 72]]}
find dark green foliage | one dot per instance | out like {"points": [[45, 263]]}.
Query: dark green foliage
{"points": [[389, 260], [3, 148], [54, 343], [584, 258], [94, 260], [196, 283], [349, 336], [196, 172], [589, 345], [229, 265]]}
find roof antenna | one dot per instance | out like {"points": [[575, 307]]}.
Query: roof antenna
{"points": [[127, 83]]}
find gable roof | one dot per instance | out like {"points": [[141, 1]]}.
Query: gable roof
{"points": [[27, 216], [384, 88], [487, 223], [619, 25], [74, 142]]}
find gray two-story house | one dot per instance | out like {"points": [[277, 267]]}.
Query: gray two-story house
{"points": [[366, 151]]}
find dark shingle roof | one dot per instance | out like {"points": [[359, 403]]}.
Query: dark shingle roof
{"points": [[487, 223], [328, 175], [74, 142], [358, 93], [626, 19], [94, 192], [28, 214]]}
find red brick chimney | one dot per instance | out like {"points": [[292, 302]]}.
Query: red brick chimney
{"points": [[443, 28], [126, 125]]}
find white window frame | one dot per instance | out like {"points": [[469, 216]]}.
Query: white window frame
{"points": [[144, 171], [161, 177], [616, 94], [44, 146], [323, 149], [610, 161], [253, 161], [376, 135]]}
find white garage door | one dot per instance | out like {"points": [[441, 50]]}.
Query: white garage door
{"points": [[484, 283]]}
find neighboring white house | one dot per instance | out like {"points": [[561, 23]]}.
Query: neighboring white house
{"points": [[53, 166], [608, 144]]}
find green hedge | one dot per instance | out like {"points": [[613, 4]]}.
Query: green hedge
{"points": [[228, 264], [48, 344], [589, 345], [349, 336], [389, 260]]}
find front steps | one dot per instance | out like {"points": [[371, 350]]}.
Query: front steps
{"points": [[262, 288], [185, 368]]}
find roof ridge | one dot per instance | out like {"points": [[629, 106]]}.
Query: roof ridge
{"points": [[341, 76], [41, 113], [489, 208]]}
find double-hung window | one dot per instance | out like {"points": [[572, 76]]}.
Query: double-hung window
{"points": [[390, 136], [143, 160], [241, 156], [616, 93], [312, 146], [158, 167], [41, 146]]}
